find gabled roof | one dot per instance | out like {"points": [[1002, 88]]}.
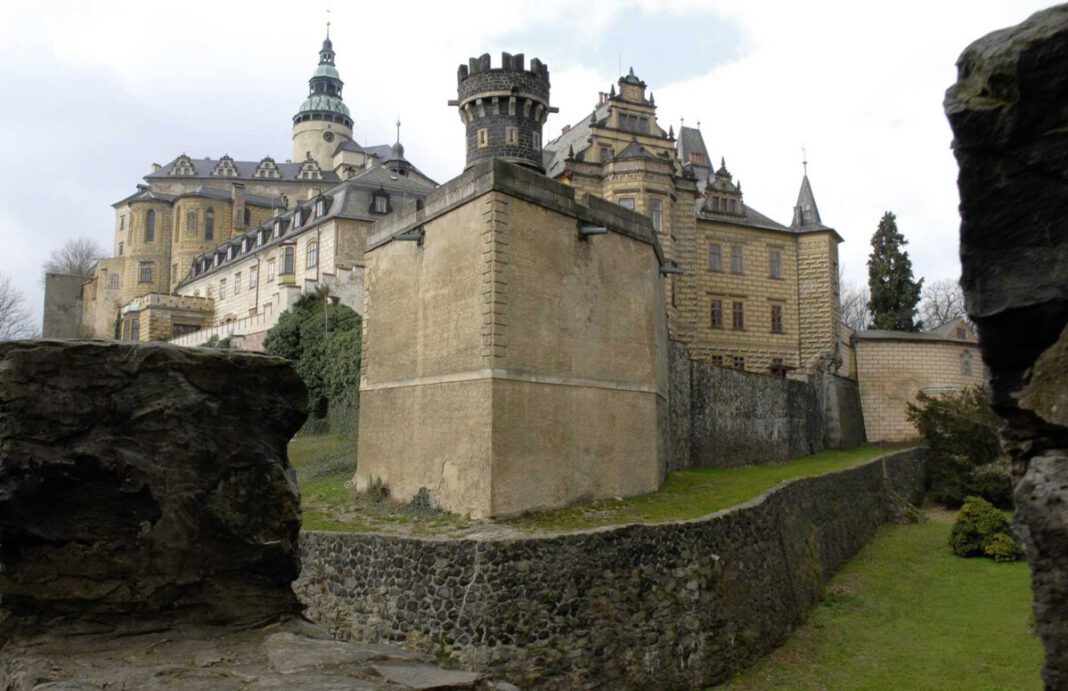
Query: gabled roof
{"points": [[949, 329], [635, 150], [575, 138], [246, 170], [381, 151]]}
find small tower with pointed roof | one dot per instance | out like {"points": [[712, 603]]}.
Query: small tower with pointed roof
{"points": [[323, 121]]}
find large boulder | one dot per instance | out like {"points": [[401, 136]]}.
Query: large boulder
{"points": [[1009, 114], [142, 484]]}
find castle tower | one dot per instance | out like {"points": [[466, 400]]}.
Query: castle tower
{"points": [[504, 109], [323, 121]]}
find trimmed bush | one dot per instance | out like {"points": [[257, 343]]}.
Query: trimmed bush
{"points": [[982, 530]]}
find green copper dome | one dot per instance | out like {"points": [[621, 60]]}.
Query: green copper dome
{"points": [[323, 104], [324, 91]]}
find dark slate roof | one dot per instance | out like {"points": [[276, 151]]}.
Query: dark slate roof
{"points": [[215, 193], [691, 142], [949, 329], [245, 171], [352, 199], [145, 195], [382, 151], [635, 150], [556, 151], [806, 214], [750, 217]]}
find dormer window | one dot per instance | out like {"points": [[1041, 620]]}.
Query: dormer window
{"points": [[320, 208], [380, 202], [225, 168], [183, 167], [267, 169], [297, 218], [699, 159]]}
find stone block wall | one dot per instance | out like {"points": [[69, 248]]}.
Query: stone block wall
{"points": [[722, 417], [63, 305], [676, 605], [892, 369]]}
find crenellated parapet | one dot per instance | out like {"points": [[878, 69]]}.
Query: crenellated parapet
{"points": [[504, 109]]}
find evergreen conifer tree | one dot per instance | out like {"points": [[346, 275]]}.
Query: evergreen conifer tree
{"points": [[894, 293]]}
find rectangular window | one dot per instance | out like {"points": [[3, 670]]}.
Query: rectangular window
{"points": [[211, 291], [738, 316], [120, 249], [717, 360], [776, 264], [320, 207], [736, 259], [381, 204], [174, 273], [312, 255], [717, 314], [627, 202], [739, 362], [536, 139], [222, 288], [776, 319], [656, 212], [253, 276], [715, 259], [135, 329], [144, 274], [287, 260], [483, 138], [270, 270], [191, 222], [237, 283], [113, 281], [511, 136]]}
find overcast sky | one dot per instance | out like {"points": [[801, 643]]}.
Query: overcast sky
{"points": [[93, 93]]}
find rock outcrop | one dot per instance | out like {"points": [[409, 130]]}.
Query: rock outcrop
{"points": [[146, 482], [1009, 114], [149, 522]]}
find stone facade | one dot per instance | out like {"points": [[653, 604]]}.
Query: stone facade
{"points": [[63, 306], [676, 605], [190, 210], [893, 366], [161, 317], [499, 331], [752, 294]]}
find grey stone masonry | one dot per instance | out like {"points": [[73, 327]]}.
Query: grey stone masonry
{"points": [[504, 109], [664, 606]]}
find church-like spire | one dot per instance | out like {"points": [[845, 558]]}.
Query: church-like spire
{"points": [[324, 90], [805, 212]]}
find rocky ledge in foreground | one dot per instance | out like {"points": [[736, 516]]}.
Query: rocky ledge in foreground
{"points": [[149, 521]]}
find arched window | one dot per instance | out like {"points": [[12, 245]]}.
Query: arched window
{"points": [[150, 226], [248, 216], [191, 222], [312, 255], [209, 224]]}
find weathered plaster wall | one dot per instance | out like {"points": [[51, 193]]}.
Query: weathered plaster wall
{"points": [[63, 305], [677, 605], [525, 364]]}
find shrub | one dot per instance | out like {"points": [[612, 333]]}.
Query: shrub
{"points": [[982, 530], [323, 341], [961, 432]]}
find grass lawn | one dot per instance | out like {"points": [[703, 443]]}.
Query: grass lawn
{"points": [[325, 462], [694, 493], [906, 613]]}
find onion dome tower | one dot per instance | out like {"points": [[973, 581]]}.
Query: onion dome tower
{"points": [[504, 109], [323, 121]]}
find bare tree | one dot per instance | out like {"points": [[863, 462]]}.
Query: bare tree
{"points": [[854, 300], [77, 256], [943, 301], [14, 317]]}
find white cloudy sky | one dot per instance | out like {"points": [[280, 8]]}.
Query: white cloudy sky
{"points": [[93, 93]]}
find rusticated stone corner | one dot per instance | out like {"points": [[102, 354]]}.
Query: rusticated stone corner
{"points": [[142, 484], [1009, 114]]}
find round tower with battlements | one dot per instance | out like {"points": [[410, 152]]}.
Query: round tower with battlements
{"points": [[504, 109]]}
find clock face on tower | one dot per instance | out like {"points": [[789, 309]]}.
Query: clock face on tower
{"points": [[328, 136]]}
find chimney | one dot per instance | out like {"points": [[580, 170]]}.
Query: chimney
{"points": [[566, 129], [237, 196], [156, 167]]}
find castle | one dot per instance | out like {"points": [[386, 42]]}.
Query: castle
{"points": [[218, 248]]}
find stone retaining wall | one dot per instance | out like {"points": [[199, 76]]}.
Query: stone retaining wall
{"points": [[677, 605]]}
